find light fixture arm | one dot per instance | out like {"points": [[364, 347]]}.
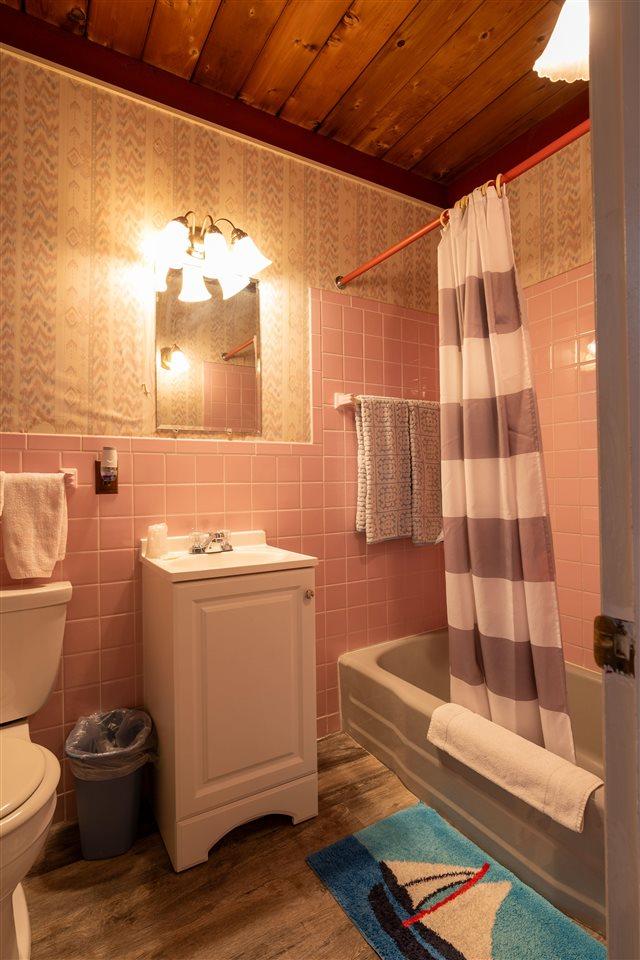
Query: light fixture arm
{"points": [[224, 220]]}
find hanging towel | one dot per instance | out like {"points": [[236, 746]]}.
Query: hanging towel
{"points": [[34, 522], [384, 472], [551, 784], [426, 494]]}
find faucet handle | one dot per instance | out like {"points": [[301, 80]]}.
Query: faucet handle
{"points": [[222, 537], [199, 541]]}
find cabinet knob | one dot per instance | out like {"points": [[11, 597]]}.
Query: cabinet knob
{"points": [[309, 594]]}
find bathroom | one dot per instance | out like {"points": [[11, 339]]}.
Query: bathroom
{"points": [[149, 403]]}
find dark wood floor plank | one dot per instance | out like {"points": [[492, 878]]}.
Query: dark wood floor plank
{"points": [[254, 899]]}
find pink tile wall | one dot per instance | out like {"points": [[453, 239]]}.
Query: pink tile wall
{"points": [[303, 495], [562, 328], [229, 397]]}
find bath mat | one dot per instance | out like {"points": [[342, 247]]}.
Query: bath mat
{"points": [[418, 890]]}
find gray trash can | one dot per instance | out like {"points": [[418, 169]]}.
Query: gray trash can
{"points": [[107, 752]]}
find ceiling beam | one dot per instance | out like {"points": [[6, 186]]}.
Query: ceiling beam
{"points": [[568, 116], [34, 36]]}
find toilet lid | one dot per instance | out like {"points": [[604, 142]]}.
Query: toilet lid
{"points": [[22, 767]]}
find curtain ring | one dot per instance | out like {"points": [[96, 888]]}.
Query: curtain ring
{"points": [[443, 221], [499, 185]]}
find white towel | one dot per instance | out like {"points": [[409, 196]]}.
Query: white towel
{"points": [[34, 522], [426, 494], [384, 469], [542, 779]]}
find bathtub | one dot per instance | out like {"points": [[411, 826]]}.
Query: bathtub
{"points": [[388, 693]]}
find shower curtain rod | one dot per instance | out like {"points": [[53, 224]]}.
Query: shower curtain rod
{"points": [[532, 161]]}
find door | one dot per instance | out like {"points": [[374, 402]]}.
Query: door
{"points": [[615, 114], [245, 686]]}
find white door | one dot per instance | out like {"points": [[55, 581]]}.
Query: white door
{"points": [[245, 686], [615, 114]]}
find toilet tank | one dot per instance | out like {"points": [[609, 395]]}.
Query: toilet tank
{"points": [[31, 630]]}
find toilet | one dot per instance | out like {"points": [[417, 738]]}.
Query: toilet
{"points": [[31, 630]]}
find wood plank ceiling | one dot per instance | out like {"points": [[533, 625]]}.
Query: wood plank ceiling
{"points": [[432, 86]]}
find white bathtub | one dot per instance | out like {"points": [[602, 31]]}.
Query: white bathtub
{"points": [[388, 693]]}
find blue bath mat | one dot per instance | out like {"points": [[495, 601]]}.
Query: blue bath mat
{"points": [[418, 890]]}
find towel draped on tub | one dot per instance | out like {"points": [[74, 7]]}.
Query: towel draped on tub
{"points": [[545, 781]]}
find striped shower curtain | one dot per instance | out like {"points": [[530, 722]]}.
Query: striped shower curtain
{"points": [[506, 658]]}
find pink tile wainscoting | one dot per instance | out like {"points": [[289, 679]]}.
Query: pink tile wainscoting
{"points": [[303, 495], [562, 328]]}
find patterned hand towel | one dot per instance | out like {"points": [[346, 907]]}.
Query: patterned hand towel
{"points": [[426, 493], [384, 472]]}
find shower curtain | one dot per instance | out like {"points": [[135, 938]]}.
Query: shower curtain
{"points": [[506, 659]]}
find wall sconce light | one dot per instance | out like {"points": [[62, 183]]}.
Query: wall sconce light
{"points": [[203, 252], [173, 359]]}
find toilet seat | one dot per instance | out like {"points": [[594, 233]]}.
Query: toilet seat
{"points": [[21, 773]]}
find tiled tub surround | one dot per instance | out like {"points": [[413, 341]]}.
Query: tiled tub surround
{"points": [[303, 495], [562, 329]]}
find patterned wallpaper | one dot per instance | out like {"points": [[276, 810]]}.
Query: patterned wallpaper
{"points": [[552, 214], [86, 172]]}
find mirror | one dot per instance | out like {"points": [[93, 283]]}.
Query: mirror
{"points": [[208, 361]]}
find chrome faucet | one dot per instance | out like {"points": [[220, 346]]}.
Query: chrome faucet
{"points": [[216, 539]]}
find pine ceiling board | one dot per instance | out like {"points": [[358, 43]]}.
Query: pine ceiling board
{"points": [[120, 26], [177, 33], [293, 45], [71, 15], [493, 22], [360, 34], [239, 32], [477, 90], [526, 102], [426, 28], [546, 108]]}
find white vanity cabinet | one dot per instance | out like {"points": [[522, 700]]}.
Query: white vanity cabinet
{"points": [[229, 679]]}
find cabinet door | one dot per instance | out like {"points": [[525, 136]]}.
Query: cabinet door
{"points": [[245, 686]]}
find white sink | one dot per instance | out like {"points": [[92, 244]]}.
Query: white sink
{"points": [[250, 554]]}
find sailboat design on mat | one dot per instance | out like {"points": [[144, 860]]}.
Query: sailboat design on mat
{"points": [[451, 909]]}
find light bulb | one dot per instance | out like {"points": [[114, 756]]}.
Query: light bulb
{"points": [[173, 243], [566, 55], [160, 271], [173, 359], [245, 259], [216, 254], [232, 283], [193, 288]]}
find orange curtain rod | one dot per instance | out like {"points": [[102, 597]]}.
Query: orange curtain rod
{"points": [[243, 346], [532, 161]]}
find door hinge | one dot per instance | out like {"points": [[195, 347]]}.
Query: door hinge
{"points": [[614, 645]]}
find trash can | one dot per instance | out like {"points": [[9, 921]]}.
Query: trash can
{"points": [[107, 752]]}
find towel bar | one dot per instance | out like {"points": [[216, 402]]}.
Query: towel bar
{"points": [[70, 477], [341, 400]]}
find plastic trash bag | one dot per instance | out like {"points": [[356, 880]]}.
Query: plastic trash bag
{"points": [[105, 746]]}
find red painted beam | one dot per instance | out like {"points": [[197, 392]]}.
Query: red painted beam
{"points": [[566, 118], [39, 38]]}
